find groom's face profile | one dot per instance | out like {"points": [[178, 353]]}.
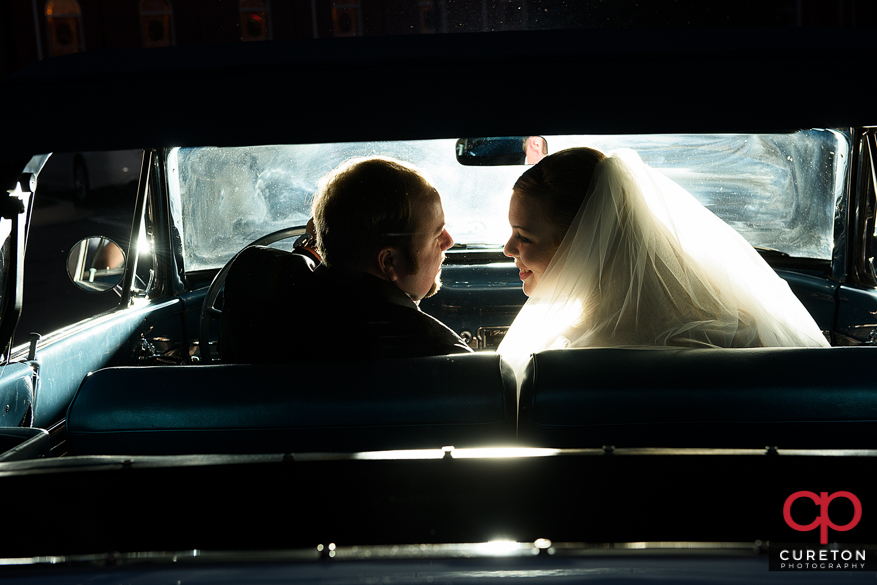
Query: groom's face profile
{"points": [[532, 241], [429, 243]]}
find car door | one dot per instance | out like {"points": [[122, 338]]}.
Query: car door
{"points": [[856, 321], [41, 373]]}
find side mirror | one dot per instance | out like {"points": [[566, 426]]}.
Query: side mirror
{"points": [[96, 264], [501, 150]]}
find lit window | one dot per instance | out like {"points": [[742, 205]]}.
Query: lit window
{"points": [[156, 23], [254, 20], [64, 20], [346, 18], [427, 17]]}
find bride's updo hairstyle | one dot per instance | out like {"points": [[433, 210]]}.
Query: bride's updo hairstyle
{"points": [[559, 183]]}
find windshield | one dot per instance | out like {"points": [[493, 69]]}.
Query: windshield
{"points": [[778, 191]]}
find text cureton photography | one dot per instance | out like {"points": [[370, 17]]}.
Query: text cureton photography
{"points": [[808, 514], [821, 559]]}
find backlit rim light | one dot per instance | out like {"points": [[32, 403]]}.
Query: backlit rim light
{"points": [[480, 453], [503, 452], [502, 547]]}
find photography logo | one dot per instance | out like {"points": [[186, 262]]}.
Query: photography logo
{"points": [[810, 556]]}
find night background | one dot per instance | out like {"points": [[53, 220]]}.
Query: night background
{"points": [[31, 30]]}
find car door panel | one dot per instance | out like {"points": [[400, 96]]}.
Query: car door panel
{"points": [[17, 383], [816, 293], [112, 341], [856, 316]]}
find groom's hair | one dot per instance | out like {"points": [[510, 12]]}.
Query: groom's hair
{"points": [[559, 184], [366, 204]]}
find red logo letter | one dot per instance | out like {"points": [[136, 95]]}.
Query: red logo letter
{"points": [[823, 521]]}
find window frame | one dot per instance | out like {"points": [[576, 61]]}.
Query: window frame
{"points": [[56, 49], [149, 15]]}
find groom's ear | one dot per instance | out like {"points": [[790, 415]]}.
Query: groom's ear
{"points": [[387, 263]]}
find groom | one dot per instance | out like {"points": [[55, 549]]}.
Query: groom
{"points": [[381, 237]]}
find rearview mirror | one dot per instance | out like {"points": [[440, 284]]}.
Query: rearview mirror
{"points": [[96, 264], [501, 150]]}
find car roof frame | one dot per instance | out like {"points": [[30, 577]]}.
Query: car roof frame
{"points": [[335, 90]]}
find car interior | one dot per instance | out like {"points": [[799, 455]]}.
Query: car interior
{"points": [[142, 385]]}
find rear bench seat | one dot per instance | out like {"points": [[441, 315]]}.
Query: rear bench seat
{"points": [[461, 400], [745, 398]]}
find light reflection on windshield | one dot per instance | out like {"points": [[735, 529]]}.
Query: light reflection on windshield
{"points": [[778, 191]]}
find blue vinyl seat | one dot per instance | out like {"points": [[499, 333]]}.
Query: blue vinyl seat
{"points": [[714, 398], [461, 400]]}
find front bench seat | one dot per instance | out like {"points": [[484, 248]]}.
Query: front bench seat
{"points": [[793, 398], [461, 400]]}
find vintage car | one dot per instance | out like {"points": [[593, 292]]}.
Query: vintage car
{"points": [[129, 452]]}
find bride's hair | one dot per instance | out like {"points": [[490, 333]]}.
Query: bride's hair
{"points": [[559, 184]]}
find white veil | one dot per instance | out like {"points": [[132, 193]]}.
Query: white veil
{"points": [[645, 264]]}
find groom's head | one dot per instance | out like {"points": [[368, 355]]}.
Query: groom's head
{"points": [[382, 216]]}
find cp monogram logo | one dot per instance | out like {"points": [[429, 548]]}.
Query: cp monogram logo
{"points": [[823, 521]]}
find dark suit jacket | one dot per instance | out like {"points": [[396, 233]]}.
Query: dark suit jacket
{"points": [[282, 307]]}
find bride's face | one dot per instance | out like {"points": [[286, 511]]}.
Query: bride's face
{"points": [[532, 242]]}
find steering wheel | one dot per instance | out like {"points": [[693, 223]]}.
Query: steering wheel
{"points": [[209, 310]]}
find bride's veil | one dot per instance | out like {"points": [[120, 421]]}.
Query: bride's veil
{"points": [[645, 264]]}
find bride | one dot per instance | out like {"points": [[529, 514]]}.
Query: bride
{"points": [[612, 254]]}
